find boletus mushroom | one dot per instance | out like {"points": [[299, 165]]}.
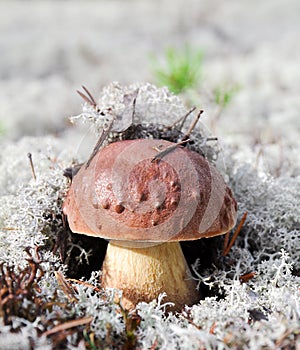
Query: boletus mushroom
{"points": [[145, 196]]}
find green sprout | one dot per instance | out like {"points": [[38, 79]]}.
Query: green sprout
{"points": [[223, 95], [181, 71]]}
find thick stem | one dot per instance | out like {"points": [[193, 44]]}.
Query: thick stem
{"points": [[143, 273]]}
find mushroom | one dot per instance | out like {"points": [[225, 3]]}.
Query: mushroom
{"points": [[145, 196]]}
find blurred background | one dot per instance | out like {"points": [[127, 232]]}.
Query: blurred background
{"points": [[243, 58]]}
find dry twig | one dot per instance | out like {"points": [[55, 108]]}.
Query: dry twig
{"points": [[228, 246]]}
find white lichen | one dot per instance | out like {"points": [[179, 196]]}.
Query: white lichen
{"points": [[261, 313], [151, 105]]}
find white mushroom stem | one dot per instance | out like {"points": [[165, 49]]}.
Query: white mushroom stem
{"points": [[143, 273]]}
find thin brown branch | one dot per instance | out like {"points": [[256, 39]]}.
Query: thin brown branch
{"points": [[65, 286], [181, 119], [29, 155], [163, 153], [226, 241], [247, 277], [94, 103], [68, 325], [235, 234], [85, 98], [96, 289], [99, 143], [88, 98], [192, 126]]}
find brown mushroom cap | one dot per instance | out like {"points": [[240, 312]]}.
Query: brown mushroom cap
{"points": [[124, 194]]}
